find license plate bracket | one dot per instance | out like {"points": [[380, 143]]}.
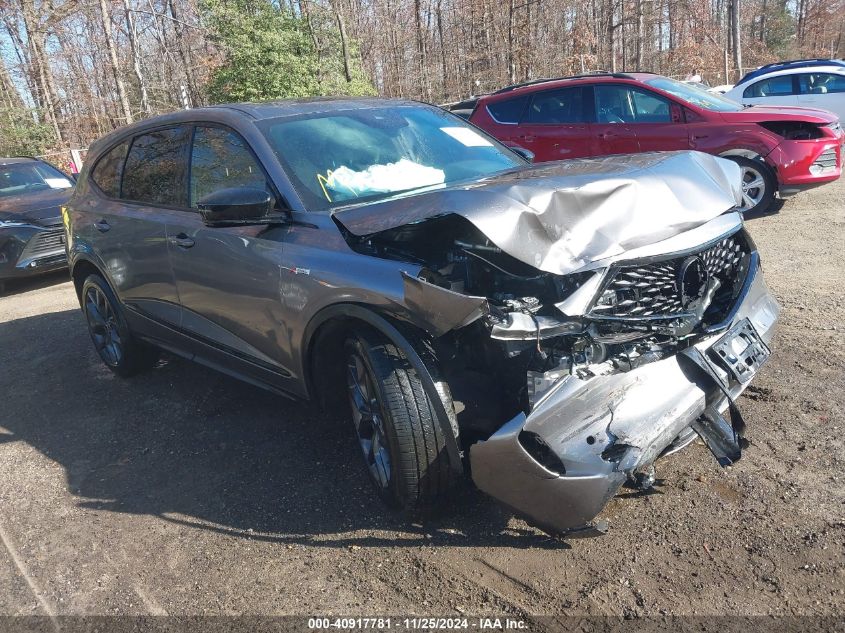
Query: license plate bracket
{"points": [[741, 351]]}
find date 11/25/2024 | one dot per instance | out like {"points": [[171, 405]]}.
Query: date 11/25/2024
{"points": [[417, 623]]}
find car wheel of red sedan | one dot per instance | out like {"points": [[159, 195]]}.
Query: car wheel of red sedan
{"points": [[758, 185]]}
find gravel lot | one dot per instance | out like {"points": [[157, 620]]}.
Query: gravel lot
{"points": [[184, 492]]}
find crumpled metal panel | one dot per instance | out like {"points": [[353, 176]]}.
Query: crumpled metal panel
{"points": [[640, 412], [438, 310], [559, 217]]}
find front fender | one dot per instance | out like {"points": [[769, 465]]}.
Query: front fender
{"points": [[363, 314]]}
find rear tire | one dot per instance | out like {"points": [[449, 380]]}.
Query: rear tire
{"points": [[119, 350], [758, 184], [396, 425]]}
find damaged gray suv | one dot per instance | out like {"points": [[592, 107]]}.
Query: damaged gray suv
{"points": [[552, 329]]}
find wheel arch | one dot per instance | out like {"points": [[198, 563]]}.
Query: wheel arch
{"points": [[742, 152], [327, 331], [80, 270]]}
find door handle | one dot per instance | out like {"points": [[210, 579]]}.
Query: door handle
{"points": [[696, 137], [606, 135], [182, 241], [102, 226], [527, 137]]}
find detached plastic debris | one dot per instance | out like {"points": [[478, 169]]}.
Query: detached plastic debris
{"points": [[405, 174]]}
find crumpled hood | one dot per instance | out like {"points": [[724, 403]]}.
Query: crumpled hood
{"points": [[42, 207], [559, 217]]}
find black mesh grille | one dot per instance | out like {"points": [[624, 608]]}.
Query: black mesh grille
{"points": [[653, 289]]}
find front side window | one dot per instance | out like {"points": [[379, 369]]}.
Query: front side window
{"points": [[620, 103], [821, 83], [771, 87], [220, 159], [108, 170], [342, 157], [650, 108], [557, 106], [155, 168], [18, 179]]}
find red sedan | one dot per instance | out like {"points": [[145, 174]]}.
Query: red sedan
{"points": [[780, 149]]}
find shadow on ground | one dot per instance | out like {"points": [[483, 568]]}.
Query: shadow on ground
{"points": [[10, 287], [774, 209], [198, 448]]}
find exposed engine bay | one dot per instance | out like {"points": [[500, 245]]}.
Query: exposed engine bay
{"points": [[530, 328]]}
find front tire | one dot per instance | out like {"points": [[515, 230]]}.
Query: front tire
{"points": [[396, 425], [758, 184], [119, 350]]}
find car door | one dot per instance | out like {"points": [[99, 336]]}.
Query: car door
{"points": [[139, 179], [228, 278], [612, 130], [556, 124], [772, 91], [658, 122], [823, 90]]}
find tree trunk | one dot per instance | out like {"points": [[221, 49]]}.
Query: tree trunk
{"points": [[303, 10], [421, 50], [112, 50], [640, 25], [737, 42], [511, 63], [136, 57], [41, 68], [344, 45], [443, 70], [185, 56]]}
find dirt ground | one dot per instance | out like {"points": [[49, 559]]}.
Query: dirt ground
{"points": [[184, 492]]}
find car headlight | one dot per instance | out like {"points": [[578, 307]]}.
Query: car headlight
{"points": [[11, 223]]}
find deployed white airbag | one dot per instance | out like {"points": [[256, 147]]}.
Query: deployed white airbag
{"points": [[399, 176]]}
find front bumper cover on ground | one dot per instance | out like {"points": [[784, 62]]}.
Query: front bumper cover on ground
{"points": [[606, 429]]}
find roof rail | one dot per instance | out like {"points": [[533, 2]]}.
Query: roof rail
{"points": [[594, 73], [792, 63]]}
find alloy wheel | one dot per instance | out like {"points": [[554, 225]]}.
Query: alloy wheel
{"points": [[103, 325], [753, 187], [367, 420]]}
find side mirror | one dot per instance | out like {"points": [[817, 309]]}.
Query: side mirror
{"points": [[527, 154], [237, 206], [676, 113]]}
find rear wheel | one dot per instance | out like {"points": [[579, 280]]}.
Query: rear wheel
{"points": [[117, 347], [758, 184], [396, 425]]}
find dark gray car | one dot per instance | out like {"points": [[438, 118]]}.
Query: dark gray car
{"points": [[32, 240], [551, 329]]}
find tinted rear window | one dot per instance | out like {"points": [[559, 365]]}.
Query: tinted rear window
{"points": [[509, 111], [154, 171], [557, 106], [107, 171]]}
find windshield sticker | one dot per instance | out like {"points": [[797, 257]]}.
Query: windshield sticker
{"points": [[58, 183], [466, 136]]}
